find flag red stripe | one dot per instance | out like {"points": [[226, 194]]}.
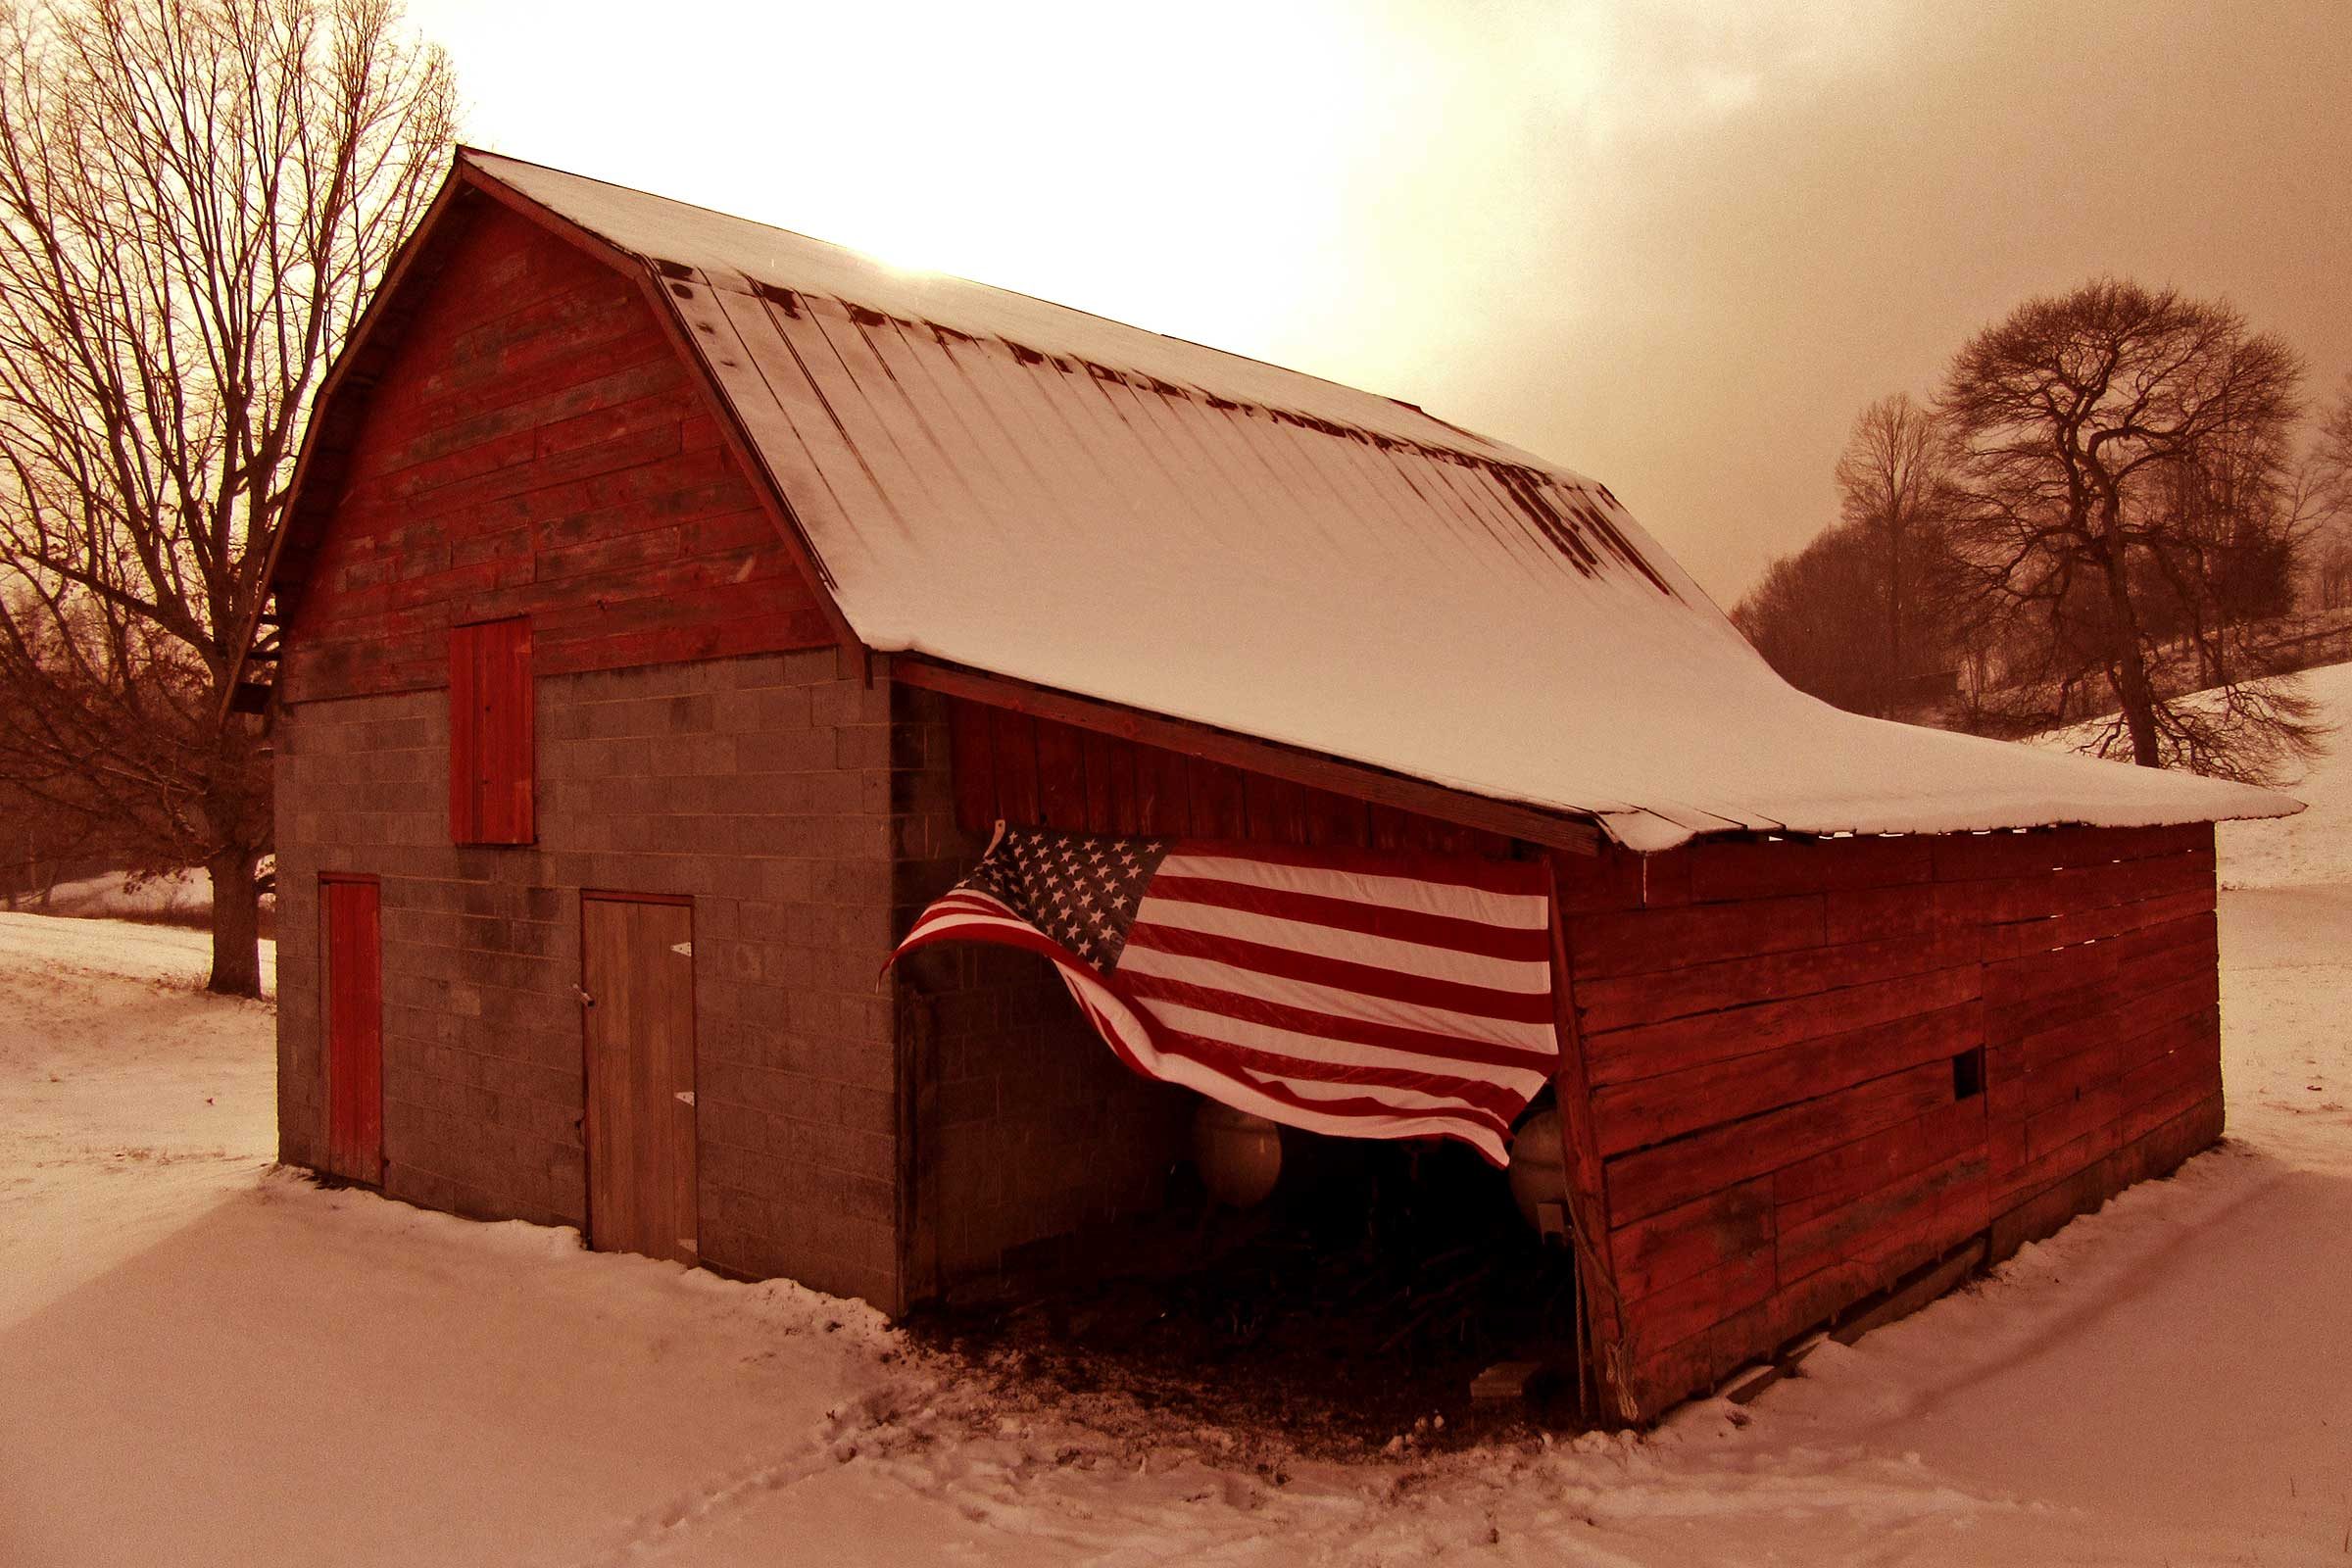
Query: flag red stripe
{"points": [[1306, 1021], [1314, 968], [1251, 1063], [1526, 946], [1365, 1108]]}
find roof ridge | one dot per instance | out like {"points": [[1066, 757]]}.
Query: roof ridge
{"points": [[467, 150]]}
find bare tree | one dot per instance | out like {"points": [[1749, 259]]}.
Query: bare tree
{"points": [[1894, 489], [196, 198], [1813, 609], [2331, 488], [2077, 420]]}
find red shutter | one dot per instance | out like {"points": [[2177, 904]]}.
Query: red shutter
{"points": [[490, 741]]}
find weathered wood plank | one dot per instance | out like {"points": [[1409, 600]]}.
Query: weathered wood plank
{"points": [[1973, 856], [1838, 1176], [1648, 1179], [1014, 738], [1622, 1001], [1933, 1204], [1650, 1111], [1656, 940], [1691, 1306], [1162, 792], [1061, 777], [1667, 1248], [972, 763], [1723, 871], [1648, 1050], [1865, 914]]}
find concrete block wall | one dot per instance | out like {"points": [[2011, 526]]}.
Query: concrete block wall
{"points": [[763, 788], [1023, 1128]]}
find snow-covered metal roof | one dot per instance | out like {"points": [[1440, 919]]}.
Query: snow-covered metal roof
{"points": [[1039, 493]]}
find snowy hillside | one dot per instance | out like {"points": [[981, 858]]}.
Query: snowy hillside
{"points": [[212, 1362]]}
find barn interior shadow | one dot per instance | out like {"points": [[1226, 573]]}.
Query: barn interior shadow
{"points": [[1358, 1303]]}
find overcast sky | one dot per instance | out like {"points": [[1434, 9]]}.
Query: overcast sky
{"points": [[1674, 251]]}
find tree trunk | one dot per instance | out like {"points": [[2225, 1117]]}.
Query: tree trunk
{"points": [[236, 924], [2134, 691], [1895, 616]]}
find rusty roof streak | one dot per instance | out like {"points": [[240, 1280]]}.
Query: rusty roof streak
{"points": [[970, 375], [1019, 395], [783, 385], [1315, 484], [946, 365], [861, 391], [1179, 428], [1486, 500], [1240, 465], [1432, 489], [1035, 384], [1362, 468], [940, 419], [1116, 429], [841, 462], [1495, 495], [1231, 421], [1624, 546]]}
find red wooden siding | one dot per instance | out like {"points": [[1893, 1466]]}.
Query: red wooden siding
{"points": [[352, 999], [1787, 1040], [536, 447], [1038, 772], [491, 752]]}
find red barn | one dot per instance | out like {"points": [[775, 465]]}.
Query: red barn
{"points": [[670, 605]]}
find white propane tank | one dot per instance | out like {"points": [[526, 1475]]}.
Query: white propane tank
{"points": [[1239, 1156], [1538, 1167]]}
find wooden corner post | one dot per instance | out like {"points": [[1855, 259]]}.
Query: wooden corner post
{"points": [[1608, 1343]]}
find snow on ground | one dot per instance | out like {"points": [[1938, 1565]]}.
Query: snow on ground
{"points": [[207, 1361], [125, 1095], [176, 896]]}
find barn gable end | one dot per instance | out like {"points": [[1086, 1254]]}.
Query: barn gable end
{"points": [[532, 446], [535, 446]]}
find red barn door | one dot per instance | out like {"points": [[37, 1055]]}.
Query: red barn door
{"points": [[637, 970], [352, 1006]]}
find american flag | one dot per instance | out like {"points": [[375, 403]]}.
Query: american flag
{"points": [[1342, 991]]}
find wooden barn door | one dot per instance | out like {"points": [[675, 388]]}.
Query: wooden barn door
{"points": [[351, 993], [637, 968]]}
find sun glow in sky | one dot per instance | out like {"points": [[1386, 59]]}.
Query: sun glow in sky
{"points": [[1673, 243]]}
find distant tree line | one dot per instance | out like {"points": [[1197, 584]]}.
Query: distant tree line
{"points": [[2100, 512]]}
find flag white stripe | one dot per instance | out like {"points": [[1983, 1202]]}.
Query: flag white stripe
{"points": [[1248, 1036], [1513, 911], [1111, 1013], [1341, 1003], [1356, 947], [1387, 1094]]}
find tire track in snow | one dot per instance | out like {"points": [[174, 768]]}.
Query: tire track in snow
{"points": [[664, 1530]]}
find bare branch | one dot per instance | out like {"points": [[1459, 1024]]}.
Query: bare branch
{"points": [[196, 198]]}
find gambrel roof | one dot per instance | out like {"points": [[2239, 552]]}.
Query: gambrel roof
{"points": [[1027, 490]]}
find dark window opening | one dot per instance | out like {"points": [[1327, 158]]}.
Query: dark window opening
{"points": [[1968, 1074]]}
